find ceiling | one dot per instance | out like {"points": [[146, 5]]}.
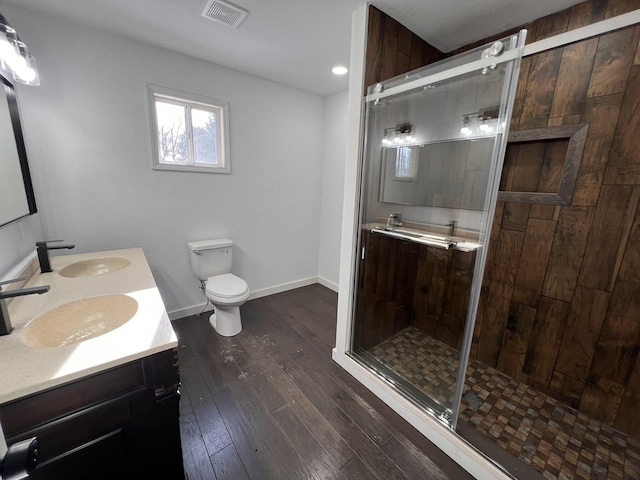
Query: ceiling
{"points": [[294, 42]]}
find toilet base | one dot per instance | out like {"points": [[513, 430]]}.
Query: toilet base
{"points": [[226, 321]]}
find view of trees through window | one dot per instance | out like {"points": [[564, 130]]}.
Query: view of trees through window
{"points": [[187, 135], [172, 132], [205, 135], [189, 131]]}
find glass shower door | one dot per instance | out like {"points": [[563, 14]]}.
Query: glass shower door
{"points": [[434, 143]]}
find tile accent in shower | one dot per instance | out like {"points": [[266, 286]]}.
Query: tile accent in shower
{"points": [[429, 365]]}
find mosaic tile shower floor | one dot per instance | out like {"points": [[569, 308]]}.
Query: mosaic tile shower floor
{"points": [[553, 438]]}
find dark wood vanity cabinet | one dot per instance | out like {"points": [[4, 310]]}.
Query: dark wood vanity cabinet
{"points": [[120, 423]]}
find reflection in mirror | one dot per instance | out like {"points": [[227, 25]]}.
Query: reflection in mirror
{"points": [[451, 174], [16, 191]]}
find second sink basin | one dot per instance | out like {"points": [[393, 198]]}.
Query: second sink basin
{"points": [[80, 320], [94, 266]]}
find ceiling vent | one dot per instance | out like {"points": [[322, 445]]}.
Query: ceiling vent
{"points": [[224, 12]]}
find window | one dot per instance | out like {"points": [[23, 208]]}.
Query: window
{"points": [[406, 163], [189, 131]]}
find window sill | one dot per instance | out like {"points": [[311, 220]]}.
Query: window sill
{"points": [[191, 168]]}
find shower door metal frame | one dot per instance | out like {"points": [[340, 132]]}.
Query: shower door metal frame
{"points": [[491, 198], [514, 56]]}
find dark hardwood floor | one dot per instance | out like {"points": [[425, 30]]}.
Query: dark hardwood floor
{"points": [[270, 403]]}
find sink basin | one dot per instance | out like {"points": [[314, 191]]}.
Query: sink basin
{"points": [[80, 320], [94, 267]]}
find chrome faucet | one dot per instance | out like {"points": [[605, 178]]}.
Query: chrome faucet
{"points": [[43, 253], [452, 228], [5, 321], [394, 220]]}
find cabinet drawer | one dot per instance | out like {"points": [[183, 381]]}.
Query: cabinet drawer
{"points": [[70, 432], [29, 412]]}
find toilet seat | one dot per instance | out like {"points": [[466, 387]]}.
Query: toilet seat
{"points": [[227, 289]]}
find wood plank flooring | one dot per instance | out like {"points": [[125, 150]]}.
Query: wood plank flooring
{"points": [[270, 403]]}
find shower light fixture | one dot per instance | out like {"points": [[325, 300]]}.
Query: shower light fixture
{"points": [[339, 70], [15, 57], [398, 135]]}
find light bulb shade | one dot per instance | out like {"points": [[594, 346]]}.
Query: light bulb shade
{"points": [[28, 74], [15, 57], [18, 60], [7, 34], [8, 49]]}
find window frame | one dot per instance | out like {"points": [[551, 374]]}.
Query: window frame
{"points": [[189, 100]]}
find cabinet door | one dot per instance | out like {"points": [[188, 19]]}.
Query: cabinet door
{"points": [[91, 443], [101, 459]]}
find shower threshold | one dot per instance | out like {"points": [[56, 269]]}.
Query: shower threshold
{"points": [[428, 404]]}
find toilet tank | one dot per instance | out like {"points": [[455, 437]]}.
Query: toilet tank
{"points": [[211, 257]]}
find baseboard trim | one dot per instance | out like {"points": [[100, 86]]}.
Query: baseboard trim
{"points": [[187, 312], [265, 292], [328, 283]]}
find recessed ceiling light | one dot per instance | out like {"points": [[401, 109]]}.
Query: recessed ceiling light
{"points": [[339, 70]]}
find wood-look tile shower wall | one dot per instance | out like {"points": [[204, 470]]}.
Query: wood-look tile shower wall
{"points": [[392, 49], [560, 303]]}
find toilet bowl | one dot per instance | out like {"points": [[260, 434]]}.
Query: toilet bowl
{"points": [[211, 261], [226, 292]]}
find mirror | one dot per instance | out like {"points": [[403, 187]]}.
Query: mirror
{"points": [[16, 191], [450, 174]]}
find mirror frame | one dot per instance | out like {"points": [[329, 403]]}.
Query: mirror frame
{"points": [[14, 113]]}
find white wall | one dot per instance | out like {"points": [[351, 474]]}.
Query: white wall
{"points": [[335, 146], [18, 240], [90, 155]]}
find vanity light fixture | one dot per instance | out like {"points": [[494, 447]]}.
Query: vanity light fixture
{"points": [[398, 135], [485, 127], [483, 122], [15, 57], [466, 129]]}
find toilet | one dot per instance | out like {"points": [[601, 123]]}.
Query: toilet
{"points": [[211, 262]]}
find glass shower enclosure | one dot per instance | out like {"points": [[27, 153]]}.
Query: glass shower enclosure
{"points": [[435, 140]]}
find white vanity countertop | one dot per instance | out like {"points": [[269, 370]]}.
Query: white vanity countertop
{"points": [[27, 370]]}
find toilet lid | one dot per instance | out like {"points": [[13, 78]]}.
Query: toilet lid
{"points": [[226, 286]]}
